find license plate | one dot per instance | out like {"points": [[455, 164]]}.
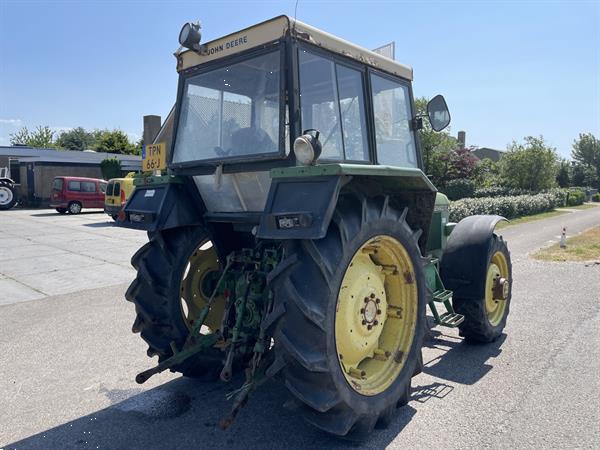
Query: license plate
{"points": [[154, 157]]}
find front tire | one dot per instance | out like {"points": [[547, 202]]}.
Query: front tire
{"points": [[485, 317], [339, 387]]}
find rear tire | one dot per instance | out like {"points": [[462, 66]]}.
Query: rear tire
{"points": [[306, 337], [8, 195], [61, 210], [161, 265], [484, 323]]}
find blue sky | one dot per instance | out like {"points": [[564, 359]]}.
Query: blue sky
{"points": [[507, 68]]}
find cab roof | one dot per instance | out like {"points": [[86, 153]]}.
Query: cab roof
{"points": [[279, 27]]}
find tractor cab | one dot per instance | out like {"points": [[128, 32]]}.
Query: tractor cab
{"points": [[284, 94]]}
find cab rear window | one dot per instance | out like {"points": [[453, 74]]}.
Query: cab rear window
{"points": [[57, 184], [109, 189]]}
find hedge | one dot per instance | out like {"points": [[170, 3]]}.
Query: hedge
{"points": [[459, 188], [575, 197], [500, 191], [596, 197], [508, 206]]}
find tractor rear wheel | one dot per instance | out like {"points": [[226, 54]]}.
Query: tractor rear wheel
{"points": [[168, 296], [485, 317], [8, 196], [352, 332]]}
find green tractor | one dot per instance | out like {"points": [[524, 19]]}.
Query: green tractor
{"points": [[295, 236]]}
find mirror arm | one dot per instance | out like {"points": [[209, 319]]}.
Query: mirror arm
{"points": [[417, 123]]}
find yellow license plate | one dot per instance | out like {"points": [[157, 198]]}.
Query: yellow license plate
{"points": [[154, 157]]}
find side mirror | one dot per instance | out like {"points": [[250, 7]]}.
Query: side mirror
{"points": [[438, 113]]}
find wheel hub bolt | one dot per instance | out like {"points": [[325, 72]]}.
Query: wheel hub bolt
{"points": [[378, 312], [377, 300], [364, 322], [375, 323], [369, 327]]}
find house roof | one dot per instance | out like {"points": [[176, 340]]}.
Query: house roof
{"points": [[32, 154]]}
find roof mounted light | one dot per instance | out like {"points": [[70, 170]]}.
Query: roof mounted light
{"points": [[189, 36], [307, 147]]}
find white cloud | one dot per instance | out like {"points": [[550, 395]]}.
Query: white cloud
{"points": [[13, 122]]}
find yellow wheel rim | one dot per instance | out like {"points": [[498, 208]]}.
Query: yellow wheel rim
{"points": [[376, 315], [497, 285], [201, 263]]}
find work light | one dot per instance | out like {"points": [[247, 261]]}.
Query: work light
{"points": [[189, 36], [307, 147]]}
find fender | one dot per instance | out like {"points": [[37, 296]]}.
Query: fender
{"points": [[161, 206], [302, 199], [463, 267]]}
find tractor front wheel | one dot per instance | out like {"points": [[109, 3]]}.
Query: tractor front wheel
{"points": [[485, 317], [355, 302]]}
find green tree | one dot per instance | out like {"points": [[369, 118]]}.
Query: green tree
{"points": [[111, 168], [583, 175], [41, 137], [586, 152], [76, 139], [487, 173], [532, 165], [115, 141], [563, 177]]}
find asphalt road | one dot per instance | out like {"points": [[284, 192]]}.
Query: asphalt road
{"points": [[68, 362]]}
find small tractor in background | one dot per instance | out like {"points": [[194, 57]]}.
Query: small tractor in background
{"points": [[8, 191], [295, 235]]}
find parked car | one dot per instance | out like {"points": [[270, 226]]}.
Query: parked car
{"points": [[72, 194], [118, 192]]}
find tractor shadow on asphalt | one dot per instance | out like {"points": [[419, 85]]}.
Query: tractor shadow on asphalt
{"points": [[457, 360], [184, 413]]}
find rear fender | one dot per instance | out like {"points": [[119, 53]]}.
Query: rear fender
{"points": [[160, 207], [302, 200], [463, 267]]}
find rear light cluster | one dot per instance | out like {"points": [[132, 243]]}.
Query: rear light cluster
{"points": [[122, 196]]}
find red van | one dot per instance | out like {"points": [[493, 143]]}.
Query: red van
{"points": [[71, 194]]}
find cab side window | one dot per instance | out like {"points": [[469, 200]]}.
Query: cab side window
{"points": [[394, 136], [332, 101]]}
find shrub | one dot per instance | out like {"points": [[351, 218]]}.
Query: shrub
{"points": [[460, 188], [497, 191], [508, 207], [575, 197], [596, 197]]}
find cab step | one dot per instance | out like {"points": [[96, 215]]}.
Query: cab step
{"points": [[442, 296], [451, 319]]}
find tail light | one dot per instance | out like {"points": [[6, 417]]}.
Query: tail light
{"points": [[122, 196]]}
